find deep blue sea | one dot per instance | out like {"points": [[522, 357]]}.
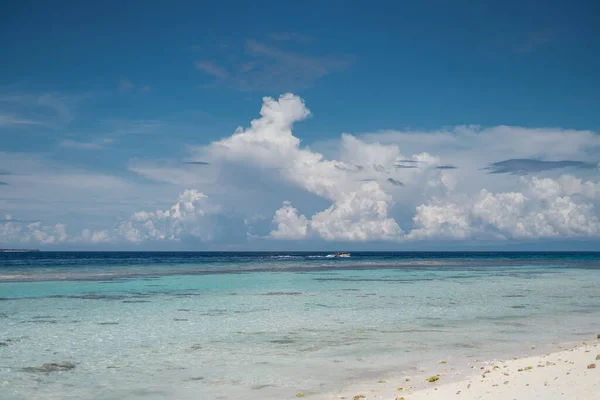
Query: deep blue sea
{"points": [[132, 325]]}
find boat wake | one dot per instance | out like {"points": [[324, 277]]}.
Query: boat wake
{"points": [[338, 255]]}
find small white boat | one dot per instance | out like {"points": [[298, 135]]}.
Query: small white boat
{"points": [[341, 255]]}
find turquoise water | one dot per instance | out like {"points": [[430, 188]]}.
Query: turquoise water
{"points": [[267, 325]]}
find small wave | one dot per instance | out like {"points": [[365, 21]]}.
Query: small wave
{"points": [[287, 257]]}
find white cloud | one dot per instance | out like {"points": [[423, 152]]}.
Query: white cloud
{"points": [[290, 225], [387, 186], [437, 174], [359, 209], [184, 218], [38, 233], [544, 208], [360, 215], [95, 236]]}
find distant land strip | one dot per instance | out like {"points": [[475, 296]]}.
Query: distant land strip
{"points": [[19, 250]]}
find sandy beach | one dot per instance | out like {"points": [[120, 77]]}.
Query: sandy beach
{"points": [[572, 373]]}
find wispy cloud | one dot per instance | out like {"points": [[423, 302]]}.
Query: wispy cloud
{"points": [[263, 66], [168, 171], [92, 145], [524, 166], [126, 86], [34, 109], [212, 69], [7, 120]]}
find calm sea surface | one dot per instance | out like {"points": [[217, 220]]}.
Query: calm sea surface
{"points": [[269, 325]]}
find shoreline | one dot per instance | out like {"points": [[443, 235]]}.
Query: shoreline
{"points": [[561, 374]]}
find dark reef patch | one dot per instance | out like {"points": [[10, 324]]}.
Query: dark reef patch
{"points": [[40, 321], [282, 293], [90, 296], [50, 367], [258, 387], [282, 341], [410, 281]]}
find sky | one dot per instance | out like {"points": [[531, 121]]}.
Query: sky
{"points": [[433, 125]]}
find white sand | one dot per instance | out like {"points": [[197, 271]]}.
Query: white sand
{"points": [[561, 375]]}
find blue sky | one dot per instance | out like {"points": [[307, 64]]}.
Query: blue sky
{"points": [[103, 106]]}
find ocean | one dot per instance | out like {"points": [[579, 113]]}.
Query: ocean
{"points": [[133, 325]]}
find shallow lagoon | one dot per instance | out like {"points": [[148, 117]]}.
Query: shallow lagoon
{"points": [[261, 325]]}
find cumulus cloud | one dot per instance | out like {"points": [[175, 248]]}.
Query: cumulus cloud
{"points": [[359, 209], [16, 231], [183, 219], [429, 174], [290, 225], [89, 236], [359, 215], [385, 186], [564, 207]]}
